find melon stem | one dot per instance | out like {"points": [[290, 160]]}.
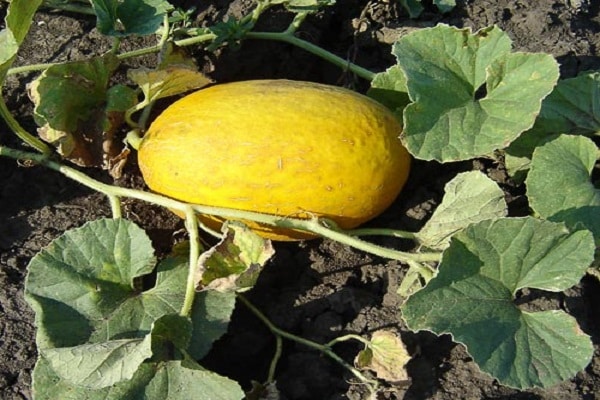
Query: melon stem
{"points": [[311, 225]]}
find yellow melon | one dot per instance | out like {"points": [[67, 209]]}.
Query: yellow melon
{"points": [[286, 148]]}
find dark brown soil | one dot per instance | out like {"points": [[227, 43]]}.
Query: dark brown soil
{"points": [[317, 289]]}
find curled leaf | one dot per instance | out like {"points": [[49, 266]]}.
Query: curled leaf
{"points": [[235, 262]]}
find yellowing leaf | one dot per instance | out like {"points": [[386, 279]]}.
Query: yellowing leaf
{"points": [[173, 80], [386, 356]]}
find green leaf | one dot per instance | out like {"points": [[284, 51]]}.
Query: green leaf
{"points": [[122, 18], [572, 108], [472, 298], [385, 355], [17, 22], [559, 187], [470, 95], [83, 288], [66, 95], [184, 380], [470, 197], [389, 88], [235, 262], [99, 365], [413, 7], [170, 81], [92, 315]]}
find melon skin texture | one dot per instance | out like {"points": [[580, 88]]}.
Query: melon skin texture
{"points": [[287, 148]]}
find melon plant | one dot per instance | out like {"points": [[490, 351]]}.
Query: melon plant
{"points": [[299, 159]]}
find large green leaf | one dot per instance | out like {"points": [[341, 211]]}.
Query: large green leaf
{"points": [[82, 277], [47, 385], [472, 298], [559, 184], [92, 315], [470, 94], [83, 288]]}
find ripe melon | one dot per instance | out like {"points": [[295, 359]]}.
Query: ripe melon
{"points": [[287, 148]]}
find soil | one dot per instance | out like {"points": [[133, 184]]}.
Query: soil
{"points": [[316, 289]]}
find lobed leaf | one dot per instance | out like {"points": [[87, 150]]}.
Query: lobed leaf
{"points": [[46, 385], [83, 276], [470, 95], [84, 290], [173, 380], [472, 299], [90, 314], [559, 184], [470, 197]]}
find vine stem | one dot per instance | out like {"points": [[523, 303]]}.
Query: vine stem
{"points": [[129, 54], [286, 36], [310, 225], [25, 136], [290, 38], [324, 348]]}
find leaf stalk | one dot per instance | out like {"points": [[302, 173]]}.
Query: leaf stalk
{"points": [[191, 224]]}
